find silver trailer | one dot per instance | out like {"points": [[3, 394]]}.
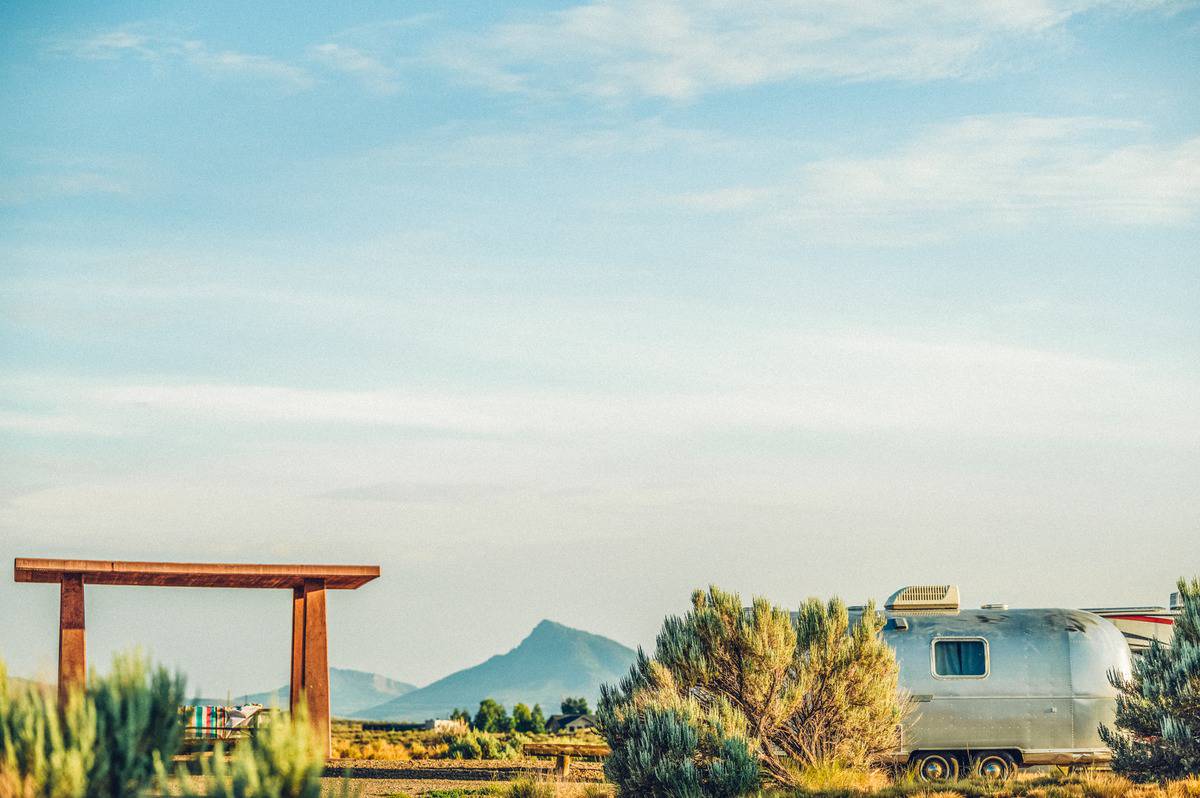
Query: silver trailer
{"points": [[995, 689]]}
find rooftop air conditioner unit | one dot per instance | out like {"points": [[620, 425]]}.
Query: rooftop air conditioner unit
{"points": [[924, 598]]}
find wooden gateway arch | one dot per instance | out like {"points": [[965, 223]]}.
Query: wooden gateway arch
{"points": [[308, 583]]}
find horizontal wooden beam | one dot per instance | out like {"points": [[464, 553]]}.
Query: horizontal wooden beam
{"points": [[184, 574]]}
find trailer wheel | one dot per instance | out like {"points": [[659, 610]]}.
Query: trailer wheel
{"points": [[996, 765], [936, 766]]}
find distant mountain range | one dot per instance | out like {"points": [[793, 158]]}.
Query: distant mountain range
{"points": [[350, 692], [553, 662]]}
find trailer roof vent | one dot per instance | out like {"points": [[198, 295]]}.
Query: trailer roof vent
{"points": [[918, 598], [1176, 601]]}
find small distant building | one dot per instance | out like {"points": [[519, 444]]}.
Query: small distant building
{"points": [[570, 723], [443, 724]]}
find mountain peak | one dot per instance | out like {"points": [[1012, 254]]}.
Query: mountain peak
{"points": [[554, 661], [547, 627]]}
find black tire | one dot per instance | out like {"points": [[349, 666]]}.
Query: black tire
{"points": [[993, 765], [936, 766]]}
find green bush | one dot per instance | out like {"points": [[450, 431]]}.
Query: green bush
{"points": [[730, 691], [1157, 734], [664, 744], [137, 724], [103, 745], [477, 745], [44, 754], [465, 746]]}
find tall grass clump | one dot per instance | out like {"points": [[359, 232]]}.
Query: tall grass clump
{"points": [[733, 693], [137, 724], [43, 753], [1157, 732], [103, 744], [530, 788]]}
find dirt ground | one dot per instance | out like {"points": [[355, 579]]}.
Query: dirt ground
{"points": [[376, 778]]}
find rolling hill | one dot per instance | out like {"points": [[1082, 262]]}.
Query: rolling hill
{"points": [[350, 692], [554, 661]]}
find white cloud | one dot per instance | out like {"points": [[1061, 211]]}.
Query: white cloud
{"points": [[133, 41], [373, 74], [53, 424], [1007, 170], [108, 45], [723, 199], [677, 49], [457, 147], [1016, 167], [854, 382], [74, 183], [235, 64]]}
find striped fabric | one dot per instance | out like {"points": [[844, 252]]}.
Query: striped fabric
{"points": [[209, 722]]}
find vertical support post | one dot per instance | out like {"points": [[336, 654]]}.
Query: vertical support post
{"points": [[72, 656], [296, 685], [316, 660]]}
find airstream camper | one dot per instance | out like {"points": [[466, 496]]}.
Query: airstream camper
{"points": [[995, 689]]}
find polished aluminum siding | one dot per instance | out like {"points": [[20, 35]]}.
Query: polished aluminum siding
{"points": [[1045, 694]]}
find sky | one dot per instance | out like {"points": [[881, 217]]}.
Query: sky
{"points": [[564, 309]]}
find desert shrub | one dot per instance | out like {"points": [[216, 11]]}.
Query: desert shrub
{"points": [[476, 745], [496, 747], [465, 746], [43, 753], [378, 748], [104, 744], [137, 724], [727, 685], [664, 743], [1157, 732]]}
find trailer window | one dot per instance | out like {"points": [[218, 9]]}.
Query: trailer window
{"points": [[960, 657]]}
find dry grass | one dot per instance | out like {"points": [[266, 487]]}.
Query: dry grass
{"points": [[350, 741], [522, 788], [834, 783]]}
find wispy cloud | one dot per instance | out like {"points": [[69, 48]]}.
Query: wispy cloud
{"points": [[676, 49], [985, 171], [76, 183], [421, 492], [136, 42], [852, 382], [456, 146], [35, 174], [375, 76]]}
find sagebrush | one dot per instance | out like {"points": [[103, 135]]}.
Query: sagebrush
{"points": [[730, 691], [1157, 732]]}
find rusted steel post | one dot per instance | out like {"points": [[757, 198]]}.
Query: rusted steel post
{"points": [[316, 660], [72, 655], [296, 685]]}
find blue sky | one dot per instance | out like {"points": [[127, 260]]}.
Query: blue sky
{"points": [[563, 309]]}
